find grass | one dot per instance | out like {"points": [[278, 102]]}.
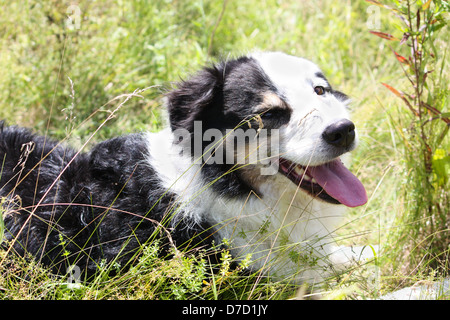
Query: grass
{"points": [[59, 82]]}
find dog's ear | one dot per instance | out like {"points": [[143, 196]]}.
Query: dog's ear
{"points": [[197, 98]]}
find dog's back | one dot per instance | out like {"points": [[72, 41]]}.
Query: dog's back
{"points": [[30, 189], [67, 208]]}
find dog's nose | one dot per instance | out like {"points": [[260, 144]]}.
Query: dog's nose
{"points": [[340, 134]]}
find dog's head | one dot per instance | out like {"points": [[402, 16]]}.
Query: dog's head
{"points": [[291, 100]]}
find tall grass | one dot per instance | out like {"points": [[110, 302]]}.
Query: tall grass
{"points": [[58, 81]]}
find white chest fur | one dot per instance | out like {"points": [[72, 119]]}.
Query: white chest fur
{"points": [[288, 234]]}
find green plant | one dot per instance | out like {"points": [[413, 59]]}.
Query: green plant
{"points": [[424, 232]]}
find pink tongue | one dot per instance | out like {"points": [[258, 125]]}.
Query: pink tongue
{"points": [[339, 183]]}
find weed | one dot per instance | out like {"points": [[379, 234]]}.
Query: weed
{"points": [[425, 230]]}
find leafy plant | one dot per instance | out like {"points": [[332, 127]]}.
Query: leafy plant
{"points": [[424, 232]]}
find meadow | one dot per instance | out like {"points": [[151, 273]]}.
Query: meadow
{"points": [[65, 68]]}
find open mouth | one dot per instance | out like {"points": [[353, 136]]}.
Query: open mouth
{"points": [[331, 182]]}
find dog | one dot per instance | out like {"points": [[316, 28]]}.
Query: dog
{"points": [[251, 159]]}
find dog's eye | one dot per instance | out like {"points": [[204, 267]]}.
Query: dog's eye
{"points": [[274, 117], [267, 114], [319, 90]]}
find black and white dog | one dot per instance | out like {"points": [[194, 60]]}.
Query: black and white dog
{"points": [[252, 155]]}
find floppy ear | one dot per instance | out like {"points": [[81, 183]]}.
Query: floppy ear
{"points": [[196, 99]]}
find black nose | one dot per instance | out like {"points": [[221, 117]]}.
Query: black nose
{"points": [[340, 134]]}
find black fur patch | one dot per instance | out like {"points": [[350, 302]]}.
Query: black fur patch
{"points": [[221, 97], [68, 209]]}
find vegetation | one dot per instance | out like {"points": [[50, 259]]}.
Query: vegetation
{"points": [[423, 237], [67, 70]]}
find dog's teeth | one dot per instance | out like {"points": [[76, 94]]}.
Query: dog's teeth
{"points": [[299, 171]]}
